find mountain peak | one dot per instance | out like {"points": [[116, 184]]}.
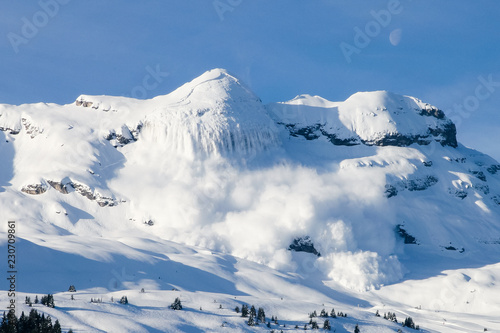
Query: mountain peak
{"points": [[216, 73], [214, 86], [213, 113], [377, 118], [385, 118]]}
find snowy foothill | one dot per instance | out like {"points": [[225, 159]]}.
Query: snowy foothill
{"points": [[209, 195]]}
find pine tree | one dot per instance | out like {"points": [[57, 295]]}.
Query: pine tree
{"points": [[244, 310], [50, 301], [11, 322], [72, 289], [251, 321], [314, 325], [323, 313], [176, 305], [253, 313], [326, 325], [33, 319], [261, 315], [237, 309], [46, 324], [57, 327], [124, 300], [356, 329], [377, 314], [409, 323], [3, 326], [332, 314], [36, 299], [21, 323]]}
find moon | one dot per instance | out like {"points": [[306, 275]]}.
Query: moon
{"points": [[395, 36]]}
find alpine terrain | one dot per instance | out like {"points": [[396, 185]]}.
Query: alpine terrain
{"points": [[207, 195]]}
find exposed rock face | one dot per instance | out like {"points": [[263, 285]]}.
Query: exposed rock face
{"points": [[479, 175], [493, 169], [124, 136], [303, 244], [446, 136], [58, 186], [408, 239], [31, 129], [432, 112], [87, 192], [415, 184], [462, 194], [82, 102], [390, 191], [452, 248], [420, 184], [12, 131], [63, 188], [34, 189], [309, 132], [482, 188], [316, 131]]}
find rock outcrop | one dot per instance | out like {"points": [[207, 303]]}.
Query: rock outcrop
{"points": [[66, 187], [303, 244], [34, 189]]}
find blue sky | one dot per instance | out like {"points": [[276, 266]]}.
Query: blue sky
{"points": [[446, 52]]}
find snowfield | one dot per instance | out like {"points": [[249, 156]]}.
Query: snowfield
{"points": [[202, 193]]}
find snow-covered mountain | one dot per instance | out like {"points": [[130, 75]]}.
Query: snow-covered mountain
{"points": [[356, 203]]}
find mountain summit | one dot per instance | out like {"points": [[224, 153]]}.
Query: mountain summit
{"points": [[373, 118], [214, 113]]}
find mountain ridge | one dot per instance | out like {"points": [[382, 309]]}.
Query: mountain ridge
{"points": [[366, 186]]}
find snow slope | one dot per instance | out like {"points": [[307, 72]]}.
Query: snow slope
{"points": [[211, 183]]}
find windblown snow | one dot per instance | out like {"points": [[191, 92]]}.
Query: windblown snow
{"points": [[374, 183]]}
